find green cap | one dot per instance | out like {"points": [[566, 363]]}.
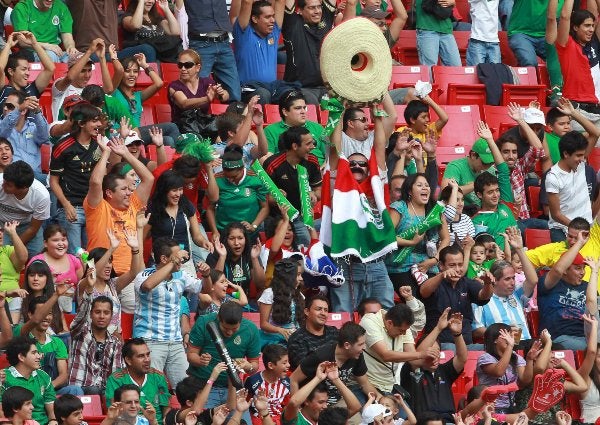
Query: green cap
{"points": [[481, 148]]}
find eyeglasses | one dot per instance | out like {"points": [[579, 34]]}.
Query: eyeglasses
{"points": [[186, 65], [361, 119], [358, 163], [10, 106]]}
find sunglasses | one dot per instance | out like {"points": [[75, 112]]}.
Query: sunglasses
{"points": [[186, 65], [358, 163], [361, 119]]}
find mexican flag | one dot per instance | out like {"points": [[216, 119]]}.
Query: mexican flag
{"points": [[350, 225]]}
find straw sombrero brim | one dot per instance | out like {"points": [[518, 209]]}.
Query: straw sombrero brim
{"points": [[368, 79]]}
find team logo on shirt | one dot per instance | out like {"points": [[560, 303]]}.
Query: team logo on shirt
{"points": [[97, 154], [247, 192], [503, 213], [237, 340], [55, 20]]}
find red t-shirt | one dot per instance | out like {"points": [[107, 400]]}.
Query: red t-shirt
{"points": [[191, 190], [578, 83]]}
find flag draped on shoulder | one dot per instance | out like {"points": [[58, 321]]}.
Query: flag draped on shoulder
{"points": [[355, 219]]}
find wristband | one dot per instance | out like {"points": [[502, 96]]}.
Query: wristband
{"points": [[456, 335], [265, 415], [159, 146], [137, 251], [210, 381], [148, 70]]}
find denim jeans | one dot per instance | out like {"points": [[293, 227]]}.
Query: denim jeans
{"points": [[76, 233], [505, 8], [482, 52], [70, 389], [169, 130], [532, 223], [35, 244], [527, 48], [368, 280], [127, 52], [569, 342], [301, 233], [432, 45], [217, 397], [169, 357], [64, 58], [217, 57]]}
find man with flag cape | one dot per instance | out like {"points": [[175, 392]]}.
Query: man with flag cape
{"points": [[356, 227]]}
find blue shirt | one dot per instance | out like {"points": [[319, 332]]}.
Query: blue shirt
{"points": [[157, 312], [507, 310], [561, 307], [255, 56], [26, 143]]}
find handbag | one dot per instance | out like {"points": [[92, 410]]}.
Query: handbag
{"points": [[198, 122], [167, 47], [432, 7]]}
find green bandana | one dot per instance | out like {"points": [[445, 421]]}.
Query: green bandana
{"points": [[230, 165], [127, 168]]}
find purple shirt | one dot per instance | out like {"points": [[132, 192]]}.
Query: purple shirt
{"points": [[503, 401]]}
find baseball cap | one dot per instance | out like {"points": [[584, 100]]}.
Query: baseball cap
{"points": [[133, 137], [74, 59], [374, 12], [370, 412], [481, 148], [73, 100], [534, 116]]}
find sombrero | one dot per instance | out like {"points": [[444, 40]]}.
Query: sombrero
{"points": [[356, 64]]}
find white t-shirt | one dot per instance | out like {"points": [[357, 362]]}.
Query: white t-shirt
{"points": [[484, 20], [58, 97], [379, 372], [350, 145], [572, 191], [36, 204]]}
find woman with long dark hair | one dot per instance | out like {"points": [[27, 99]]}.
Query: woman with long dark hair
{"points": [[281, 305], [174, 216], [501, 365], [415, 203], [238, 258]]}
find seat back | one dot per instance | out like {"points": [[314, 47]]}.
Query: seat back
{"points": [[446, 75]]}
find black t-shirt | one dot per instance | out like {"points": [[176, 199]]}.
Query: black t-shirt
{"points": [[431, 391], [459, 299], [303, 46], [352, 367], [285, 175], [165, 225], [29, 90], [73, 164], [302, 343]]}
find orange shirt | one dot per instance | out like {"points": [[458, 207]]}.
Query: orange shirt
{"points": [[104, 217]]}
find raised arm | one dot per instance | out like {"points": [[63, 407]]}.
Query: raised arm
{"points": [[169, 24], [515, 112], [94, 196], [564, 24], [592, 347], [18, 258], [551, 25], [442, 115], [591, 295], [380, 142], [157, 82], [565, 260], [400, 18], [11, 41], [134, 22], [117, 146], [43, 79], [245, 8], [301, 394], [593, 133], [513, 236]]}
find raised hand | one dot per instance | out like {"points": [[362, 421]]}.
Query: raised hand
{"points": [[203, 269], [443, 320], [117, 146], [255, 251], [10, 228], [593, 263], [535, 350], [513, 236], [508, 337], [113, 239], [406, 293], [191, 418], [261, 402], [125, 127], [220, 248], [131, 239], [484, 131], [455, 324], [205, 359], [149, 412], [220, 415], [141, 219], [563, 418], [156, 136], [242, 404], [333, 372], [321, 372], [431, 141], [515, 112], [114, 410], [140, 58], [565, 106]]}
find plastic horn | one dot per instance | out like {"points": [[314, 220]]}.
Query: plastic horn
{"points": [[434, 218], [215, 335]]}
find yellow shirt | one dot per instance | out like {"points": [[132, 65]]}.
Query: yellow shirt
{"points": [[547, 255], [420, 136]]}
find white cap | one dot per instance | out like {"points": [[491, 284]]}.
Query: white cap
{"points": [[372, 411], [534, 116], [133, 137]]}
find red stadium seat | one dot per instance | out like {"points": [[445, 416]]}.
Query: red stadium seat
{"points": [[338, 319], [144, 79], [533, 322], [462, 122], [594, 159], [92, 405], [533, 193], [508, 56], [495, 116], [526, 90], [537, 237], [405, 49], [162, 112], [458, 85], [253, 317], [217, 108], [126, 325], [148, 116], [462, 37], [35, 69], [169, 72], [407, 76]]}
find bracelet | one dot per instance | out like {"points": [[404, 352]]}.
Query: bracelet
{"points": [[456, 335], [265, 415], [137, 251], [210, 381], [159, 146], [148, 70]]}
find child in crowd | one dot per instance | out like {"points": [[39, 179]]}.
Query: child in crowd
{"points": [[17, 405], [492, 250], [12, 259], [69, 410], [478, 262], [210, 303], [273, 381], [394, 403]]}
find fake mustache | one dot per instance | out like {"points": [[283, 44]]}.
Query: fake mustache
{"points": [[358, 170]]}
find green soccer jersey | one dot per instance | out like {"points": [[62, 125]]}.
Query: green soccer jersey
{"points": [[474, 270], [245, 343], [529, 17], [429, 22], [460, 171], [154, 389], [239, 202], [53, 344], [39, 383], [48, 25], [552, 140], [495, 222], [273, 131]]}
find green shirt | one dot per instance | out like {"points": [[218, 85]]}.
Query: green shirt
{"points": [[429, 22], [298, 420], [529, 17], [154, 389], [239, 202], [495, 222], [273, 131], [552, 140], [39, 383], [10, 276], [553, 66], [460, 171], [474, 269], [244, 343], [47, 26], [53, 344]]}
